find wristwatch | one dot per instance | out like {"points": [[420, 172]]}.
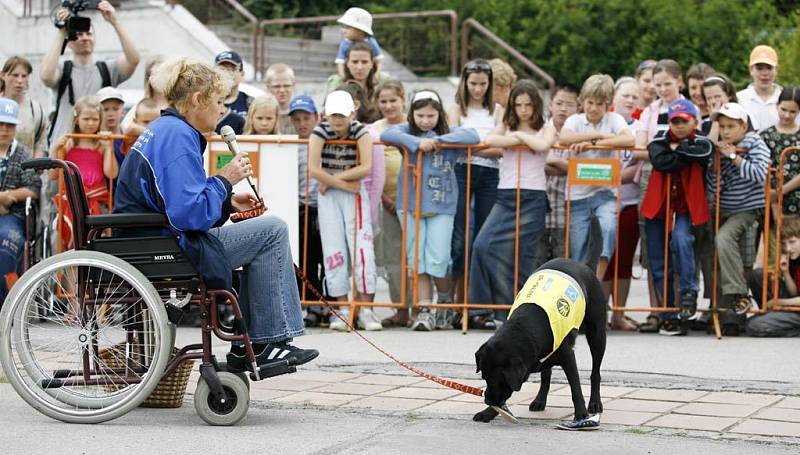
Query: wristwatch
{"points": [[732, 156]]}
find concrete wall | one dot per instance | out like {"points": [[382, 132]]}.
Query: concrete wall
{"points": [[156, 29]]}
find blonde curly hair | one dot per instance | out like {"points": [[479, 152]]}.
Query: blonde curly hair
{"points": [[180, 77]]}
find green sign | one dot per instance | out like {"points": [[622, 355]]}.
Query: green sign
{"points": [[588, 171], [223, 159]]}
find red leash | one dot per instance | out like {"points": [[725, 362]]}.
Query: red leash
{"points": [[445, 382]]}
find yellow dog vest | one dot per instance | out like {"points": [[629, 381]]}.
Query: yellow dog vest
{"points": [[560, 296]]}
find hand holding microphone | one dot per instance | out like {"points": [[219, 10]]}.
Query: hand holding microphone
{"points": [[239, 168]]}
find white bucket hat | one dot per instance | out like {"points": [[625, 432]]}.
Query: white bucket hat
{"points": [[357, 18]]}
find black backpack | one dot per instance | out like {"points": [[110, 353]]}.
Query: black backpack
{"points": [[65, 85]]}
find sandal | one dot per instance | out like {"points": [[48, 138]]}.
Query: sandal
{"points": [[626, 324], [650, 325], [740, 305], [397, 321]]}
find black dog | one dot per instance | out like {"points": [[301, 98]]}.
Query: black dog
{"points": [[521, 346]]}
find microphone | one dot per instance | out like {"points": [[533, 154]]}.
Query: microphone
{"points": [[229, 136]]}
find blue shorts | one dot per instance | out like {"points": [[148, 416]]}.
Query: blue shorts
{"points": [[435, 237]]}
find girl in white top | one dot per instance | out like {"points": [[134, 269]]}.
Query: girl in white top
{"points": [[525, 140], [475, 108]]}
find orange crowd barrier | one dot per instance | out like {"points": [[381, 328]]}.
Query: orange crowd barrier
{"points": [[604, 172]]}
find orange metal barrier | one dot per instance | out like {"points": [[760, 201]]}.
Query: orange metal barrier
{"points": [[351, 304], [612, 178], [778, 225]]}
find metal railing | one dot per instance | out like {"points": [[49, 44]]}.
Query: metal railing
{"points": [[449, 14], [472, 24]]}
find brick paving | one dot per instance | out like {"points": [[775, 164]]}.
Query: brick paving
{"points": [[629, 408]]}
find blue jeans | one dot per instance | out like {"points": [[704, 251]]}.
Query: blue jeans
{"points": [[603, 206], [681, 243], [484, 188], [268, 291], [491, 277], [12, 241]]}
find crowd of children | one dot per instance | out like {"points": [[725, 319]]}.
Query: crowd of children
{"points": [[680, 158]]}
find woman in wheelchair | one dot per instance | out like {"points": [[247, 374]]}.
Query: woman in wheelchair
{"points": [[164, 173], [15, 186]]}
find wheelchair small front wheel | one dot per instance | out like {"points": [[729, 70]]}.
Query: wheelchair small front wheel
{"points": [[237, 400], [223, 366]]}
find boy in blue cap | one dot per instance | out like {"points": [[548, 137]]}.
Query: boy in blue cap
{"points": [[679, 157], [16, 185], [237, 101]]}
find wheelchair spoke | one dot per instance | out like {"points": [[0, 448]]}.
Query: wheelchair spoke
{"points": [[86, 334]]}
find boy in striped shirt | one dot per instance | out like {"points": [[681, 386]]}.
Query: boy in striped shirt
{"points": [[741, 204]]}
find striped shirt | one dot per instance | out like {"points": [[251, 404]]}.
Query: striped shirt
{"points": [[339, 157], [742, 187]]}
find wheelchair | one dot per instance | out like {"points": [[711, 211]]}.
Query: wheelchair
{"points": [[108, 337]]}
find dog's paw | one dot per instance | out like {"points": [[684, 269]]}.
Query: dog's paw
{"points": [[485, 416], [595, 407], [537, 405]]}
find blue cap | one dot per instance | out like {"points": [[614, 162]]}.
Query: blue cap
{"points": [[228, 57], [9, 111], [302, 103], [682, 108]]}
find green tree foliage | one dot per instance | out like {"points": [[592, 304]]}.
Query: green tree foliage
{"points": [[571, 39]]}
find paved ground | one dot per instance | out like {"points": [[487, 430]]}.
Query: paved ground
{"points": [[661, 395]]}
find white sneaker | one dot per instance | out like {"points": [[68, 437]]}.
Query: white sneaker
{"points": [[368, 321], [336, 323], [424, 322]]}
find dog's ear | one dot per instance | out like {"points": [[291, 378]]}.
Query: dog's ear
{"points": [[478, 357], [515, 373]]}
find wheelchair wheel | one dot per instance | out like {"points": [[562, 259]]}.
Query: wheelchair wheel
{"points": [[223, 366], [237, 400], [102, 349]]}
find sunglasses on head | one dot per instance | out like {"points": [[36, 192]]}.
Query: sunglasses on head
{"points": [[478, 67]]}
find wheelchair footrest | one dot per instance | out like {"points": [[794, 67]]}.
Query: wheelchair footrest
{"points": [[174, 314], [275, 369]]}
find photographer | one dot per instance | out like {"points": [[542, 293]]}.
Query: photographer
{"points": [[82, 76]]}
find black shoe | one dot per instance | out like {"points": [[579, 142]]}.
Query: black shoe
{"points": [[739, 304], [672, 327], [312, 319], [730, 330], [270, 354], [689, 305]]}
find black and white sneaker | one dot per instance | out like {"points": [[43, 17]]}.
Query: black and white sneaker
{"points": [[270, 353], [689, 305], [672, 327]]}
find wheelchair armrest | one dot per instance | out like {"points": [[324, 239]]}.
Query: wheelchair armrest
{"points": [[41, 164], [129, 220]]}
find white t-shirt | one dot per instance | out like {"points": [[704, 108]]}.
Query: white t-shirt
{"points": [[483, 122], [610, 123], [630, 192], [763, 114]]}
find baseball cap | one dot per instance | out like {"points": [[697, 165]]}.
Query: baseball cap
{"points": [[9, 111], [109, 93], [682, 108], [228, 57], [763, 54], [339, 102], [731, 110], [357, 18], [302, 103]]}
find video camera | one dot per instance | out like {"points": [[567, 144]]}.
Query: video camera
{"points": [[74, 23]]}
